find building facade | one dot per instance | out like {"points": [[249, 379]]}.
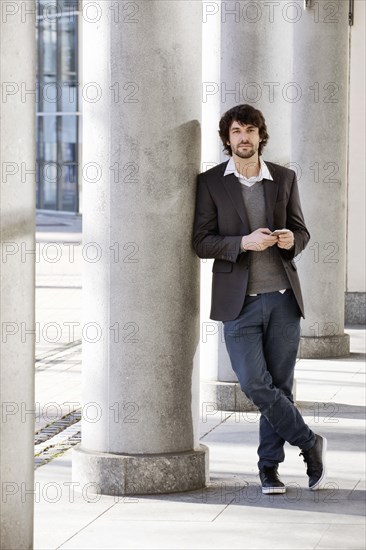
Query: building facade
{"points": [[58, 114]]}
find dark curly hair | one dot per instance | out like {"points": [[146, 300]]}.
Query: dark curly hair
{"points": [[244, 114]]}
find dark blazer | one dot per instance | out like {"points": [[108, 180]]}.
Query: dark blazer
{"points": [[221, 221]]}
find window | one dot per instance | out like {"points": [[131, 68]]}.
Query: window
{"points": [[57, 105]]}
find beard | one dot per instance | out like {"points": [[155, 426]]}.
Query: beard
{"points": [[245, 153]]}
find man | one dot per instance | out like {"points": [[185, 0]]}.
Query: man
{"points": [[255, 288]]}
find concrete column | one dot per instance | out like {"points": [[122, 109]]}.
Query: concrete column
{"points": [[319, 147], [256, 60], [141, 291], [356, 227], [219, 385], [255, 64], [211, 331], [17, 207]]}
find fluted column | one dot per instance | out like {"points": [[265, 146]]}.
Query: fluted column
{"points": [[141, 294], [17, 220], [319, 147]]}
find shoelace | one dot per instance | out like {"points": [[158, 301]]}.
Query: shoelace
{"points": [[271, 474], [311, 463]]}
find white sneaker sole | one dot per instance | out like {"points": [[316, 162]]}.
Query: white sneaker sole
{"points": [[273, 490], [318, 485]]}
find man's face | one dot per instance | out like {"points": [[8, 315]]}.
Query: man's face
{"points": [[244, 139]]}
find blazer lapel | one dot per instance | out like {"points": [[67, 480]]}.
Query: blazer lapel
{"points": [[270, 196], [233, 188]]}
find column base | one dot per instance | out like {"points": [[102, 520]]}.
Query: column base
{"points": [[226, 396], [114, 474], [324, 347], [355, 310]]}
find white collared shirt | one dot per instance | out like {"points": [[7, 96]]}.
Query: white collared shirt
{"points": [[264, 173]]}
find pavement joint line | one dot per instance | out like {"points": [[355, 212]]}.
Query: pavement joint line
{"points": [[334, 394], [59, 349], [41, 279], [351, 491], [87, 525], [219, 424], [223, 510], [60, 287], [42, 367], [359, 371], [57, 276], [322, 535], [59, 353]]}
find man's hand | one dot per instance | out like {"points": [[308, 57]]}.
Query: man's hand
{"points": [[259, 240], [286, 240]]}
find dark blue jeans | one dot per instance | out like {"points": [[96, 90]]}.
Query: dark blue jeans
{"points": [[262, 344]]}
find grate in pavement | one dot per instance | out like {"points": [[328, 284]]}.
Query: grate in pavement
{"points": [[56, 438], [56, 427]]}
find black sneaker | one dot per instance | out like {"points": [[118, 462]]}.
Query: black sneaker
{"points": [[271, 484], [315, 460]]}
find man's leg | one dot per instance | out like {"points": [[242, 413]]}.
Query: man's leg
{"points": [[280, 344], [244, 339]]}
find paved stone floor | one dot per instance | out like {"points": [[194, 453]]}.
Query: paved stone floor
{"points": [[231, 512]]}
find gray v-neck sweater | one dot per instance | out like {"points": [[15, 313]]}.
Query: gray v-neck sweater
{"points": [[266, 271]]}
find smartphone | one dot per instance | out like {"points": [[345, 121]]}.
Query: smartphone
{"points": [[279, 232]]}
